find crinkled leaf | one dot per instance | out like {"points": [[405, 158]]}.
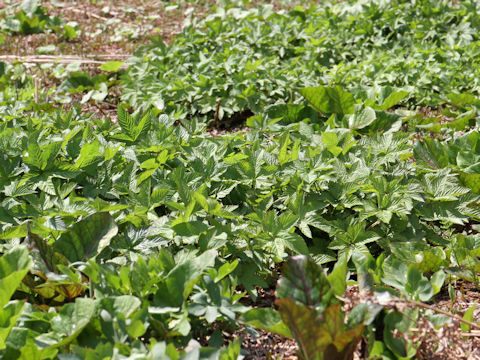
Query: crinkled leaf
{"points": [[86, 238], [303, 322], [330, 340], [68, 324]]}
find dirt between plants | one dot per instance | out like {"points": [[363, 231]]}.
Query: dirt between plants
{"points": [[106, 27]]}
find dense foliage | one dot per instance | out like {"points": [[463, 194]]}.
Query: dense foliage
{"points": [[248, 59], [143, 239]]}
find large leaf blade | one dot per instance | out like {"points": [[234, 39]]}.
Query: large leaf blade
{"points": [[68, 324], [303, 323], [87, 238], [14, 265], [267, 319], [8, 317], [306, 283], [329, 100]]}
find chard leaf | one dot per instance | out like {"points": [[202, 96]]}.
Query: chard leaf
{"points": [[304, 322], [305, 282], [45, 250], [331, 340]]}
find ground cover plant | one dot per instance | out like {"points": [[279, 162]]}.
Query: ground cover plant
{"points": [[349, 190]]}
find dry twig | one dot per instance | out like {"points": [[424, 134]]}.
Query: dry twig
{"points": [[63, 59]]}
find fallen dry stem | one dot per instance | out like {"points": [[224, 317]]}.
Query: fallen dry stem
{"points": [[87, 13], [394, 302], [63, 59], [440, 311]]}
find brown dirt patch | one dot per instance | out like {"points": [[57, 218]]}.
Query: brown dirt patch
{"points": [[106, 27]]}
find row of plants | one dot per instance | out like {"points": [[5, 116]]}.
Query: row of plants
{"points": [[248, 59]]}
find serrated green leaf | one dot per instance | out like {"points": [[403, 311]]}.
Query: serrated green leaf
{"points": [[88, 154], [127, 123], [293, 241]]}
